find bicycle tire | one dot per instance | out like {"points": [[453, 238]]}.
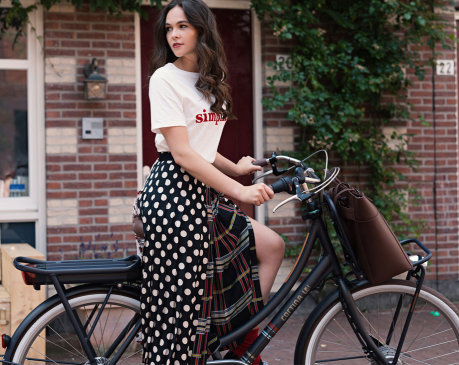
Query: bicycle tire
{"points": [[46, 335], [432, 338]]}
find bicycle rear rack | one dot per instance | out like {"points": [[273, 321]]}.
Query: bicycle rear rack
{"points": [[97, 271]]}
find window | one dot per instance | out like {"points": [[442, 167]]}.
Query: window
{"points": [[14, 145], [23, 232], [22, 183]]}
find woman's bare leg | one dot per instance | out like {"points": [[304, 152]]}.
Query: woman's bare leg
{"points": [[270, 252]]}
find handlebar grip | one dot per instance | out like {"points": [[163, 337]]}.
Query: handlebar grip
{"points": [[262, 162], [281, 185]]}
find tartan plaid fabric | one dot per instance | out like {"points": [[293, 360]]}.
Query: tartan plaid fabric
{"points": [[232, 292]]}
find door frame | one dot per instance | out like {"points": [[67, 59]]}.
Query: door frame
{"points": [[257, 89]]}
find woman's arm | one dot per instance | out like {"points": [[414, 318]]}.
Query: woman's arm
{"points": [[228, 167], [201, 169]]}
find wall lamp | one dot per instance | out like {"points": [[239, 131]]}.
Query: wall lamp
{"points": [[95, 85]]}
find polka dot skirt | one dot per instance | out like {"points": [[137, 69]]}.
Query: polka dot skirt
{"points": [[188, 267]]}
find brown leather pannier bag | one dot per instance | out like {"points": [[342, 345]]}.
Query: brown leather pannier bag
{"points": [[378, 251]]}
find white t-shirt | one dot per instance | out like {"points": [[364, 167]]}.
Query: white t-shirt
{"points": [[175, 101]]}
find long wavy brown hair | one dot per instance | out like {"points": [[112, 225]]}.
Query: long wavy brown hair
{"points": [[210, 53]]}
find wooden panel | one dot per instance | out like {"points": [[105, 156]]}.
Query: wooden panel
{"points": [[24, 298], [5, 314]]}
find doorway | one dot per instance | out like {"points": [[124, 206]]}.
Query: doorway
{"points": [[237, 140]]}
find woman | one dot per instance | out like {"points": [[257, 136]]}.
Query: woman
{"points": [[196, 241]]}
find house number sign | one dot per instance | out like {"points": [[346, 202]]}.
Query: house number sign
{"points": [[445, 67], [284, 61]]}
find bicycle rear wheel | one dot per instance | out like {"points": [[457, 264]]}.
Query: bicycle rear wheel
{"points": [[432, 338], [49, 338]]}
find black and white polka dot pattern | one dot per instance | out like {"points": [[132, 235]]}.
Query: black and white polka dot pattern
{"points": [[196, 243], [174, 259]]}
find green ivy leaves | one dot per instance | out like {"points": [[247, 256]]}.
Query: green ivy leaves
{"points": [[348, 83], [16, 16]]}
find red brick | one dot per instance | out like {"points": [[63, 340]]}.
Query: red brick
{"points": [[61, 176], [92, 176], [91, 212], [108, 184], [61, 195], [106, 27], [92, 194], [61, 230], [108, 167], [115, 193], [124, 54], [90, 53], [85, 220], [77, 185]]}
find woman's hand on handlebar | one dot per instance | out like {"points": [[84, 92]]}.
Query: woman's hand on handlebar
{"points": [[256, 194], [245, 166]]}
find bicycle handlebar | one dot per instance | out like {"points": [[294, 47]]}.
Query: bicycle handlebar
{"points": [[263, 162], [275, 158], [296, 186], [284, 184]]}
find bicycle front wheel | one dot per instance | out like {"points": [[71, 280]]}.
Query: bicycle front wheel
{"points": [[432, 337], [49, 338]]}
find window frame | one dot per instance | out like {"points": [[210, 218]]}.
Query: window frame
{"points": [[32, 207]]}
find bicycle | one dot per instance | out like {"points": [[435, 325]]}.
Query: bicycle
{"points": [[397, 322]]}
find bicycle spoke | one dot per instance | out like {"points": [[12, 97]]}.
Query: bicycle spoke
{"points": [[102, 328], [427, 347], [62, 338], [408, 358], [372, 328], [134, 354], [122, 335], [46, 357], [440, 356], [88, 318], [436, 332], [339, 359], [415, 339], [55, 362], [338, 344], [344, 331], [106, 321]]}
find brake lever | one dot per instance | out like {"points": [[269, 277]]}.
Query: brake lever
{"points": [[262, 176], [300, 195], [288, 200]]}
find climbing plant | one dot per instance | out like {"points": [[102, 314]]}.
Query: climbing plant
{"points": [[16, 16], [346, 84]]}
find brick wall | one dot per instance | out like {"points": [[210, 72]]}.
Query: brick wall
{"points": [[279, 136], [443, 241], [436, 147], [91, 184]]}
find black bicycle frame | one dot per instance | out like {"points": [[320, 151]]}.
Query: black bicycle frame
{"points": [[328, 264]]}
